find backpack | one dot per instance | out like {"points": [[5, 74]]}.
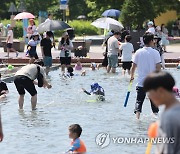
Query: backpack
{"points": [[39, 77]]}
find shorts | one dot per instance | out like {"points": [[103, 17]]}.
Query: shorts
{"points": [[65, 60], [33, 55], [9, 45], [126, 65], [23, 83], [47, 61], [112, 61]]}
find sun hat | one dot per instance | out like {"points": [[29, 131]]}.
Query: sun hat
{"points": [[150, 23], [94, 86], [8, 25], [35, 34], [158, 28], [93, 64], [65, 34]]}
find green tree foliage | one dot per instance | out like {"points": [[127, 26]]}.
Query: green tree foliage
{"points": [[77, 7], [163, 5], [4, 7], [135, 12], [97, 7]]}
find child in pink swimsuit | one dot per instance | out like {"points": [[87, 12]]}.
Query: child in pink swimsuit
{"points": [[78, 66]]}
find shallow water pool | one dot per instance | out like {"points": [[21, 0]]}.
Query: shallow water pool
{"points": [[45, 131]]}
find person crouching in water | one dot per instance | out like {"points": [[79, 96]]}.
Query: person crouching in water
{"points": [[69, 73], [24, 80], [96, 89]]}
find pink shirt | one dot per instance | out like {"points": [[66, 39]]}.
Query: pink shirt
{"points": [[78, 67]]}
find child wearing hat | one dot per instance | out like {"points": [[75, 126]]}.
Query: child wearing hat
{"points": [[32, 44], [97, 90]]}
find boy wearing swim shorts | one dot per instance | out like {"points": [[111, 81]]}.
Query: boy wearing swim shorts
{"points": [[127, 50]]}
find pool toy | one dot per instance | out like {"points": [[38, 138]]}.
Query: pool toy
{"points": [[152, 133], [10, 67], [128, 93], [91, 101]]}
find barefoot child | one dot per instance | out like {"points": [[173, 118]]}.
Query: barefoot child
{"points": [[77, 145], [32, 47], [127, 50], [96, 89], [3, 89], [78, 66], [160, 85], [93, 66], [176, 92]]}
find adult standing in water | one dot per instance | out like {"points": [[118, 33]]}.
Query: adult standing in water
{"points": [[146, 60], [65, 47], [113, 50], [46, 45], [24, 80]]}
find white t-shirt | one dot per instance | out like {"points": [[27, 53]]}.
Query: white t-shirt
{"points": [[146, 60], [10, 34], [151, 30], [64, 48], [30, 71], [127, 50], [113, 46]]}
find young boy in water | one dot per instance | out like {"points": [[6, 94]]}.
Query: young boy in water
{"points": [[127, 50], [96, 89], [77, 145], [160, 85]]}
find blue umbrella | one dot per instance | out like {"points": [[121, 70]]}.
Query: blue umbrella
{"points": [[111, 13]]}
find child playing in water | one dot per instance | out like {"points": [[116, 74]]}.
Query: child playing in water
{"points": [[96, 89], [69, 73], [176, 92], [32, 47], [3, 89], [127, 50], [78, 66], [160, 85], [93, 66], [77, 145]]}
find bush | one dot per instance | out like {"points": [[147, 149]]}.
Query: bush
{"points": [[81, 27], [84, 27]]}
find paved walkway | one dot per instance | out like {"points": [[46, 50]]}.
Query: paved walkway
{"points": [[95, 54]]}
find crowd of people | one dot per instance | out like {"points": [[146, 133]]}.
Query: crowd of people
{"points": [[148, 61]]}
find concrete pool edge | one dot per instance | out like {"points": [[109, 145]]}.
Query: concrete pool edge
{"points": [[74, 60], [10, 76]]}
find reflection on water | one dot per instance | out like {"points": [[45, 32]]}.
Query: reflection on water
{"points": [[45, 131]]}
